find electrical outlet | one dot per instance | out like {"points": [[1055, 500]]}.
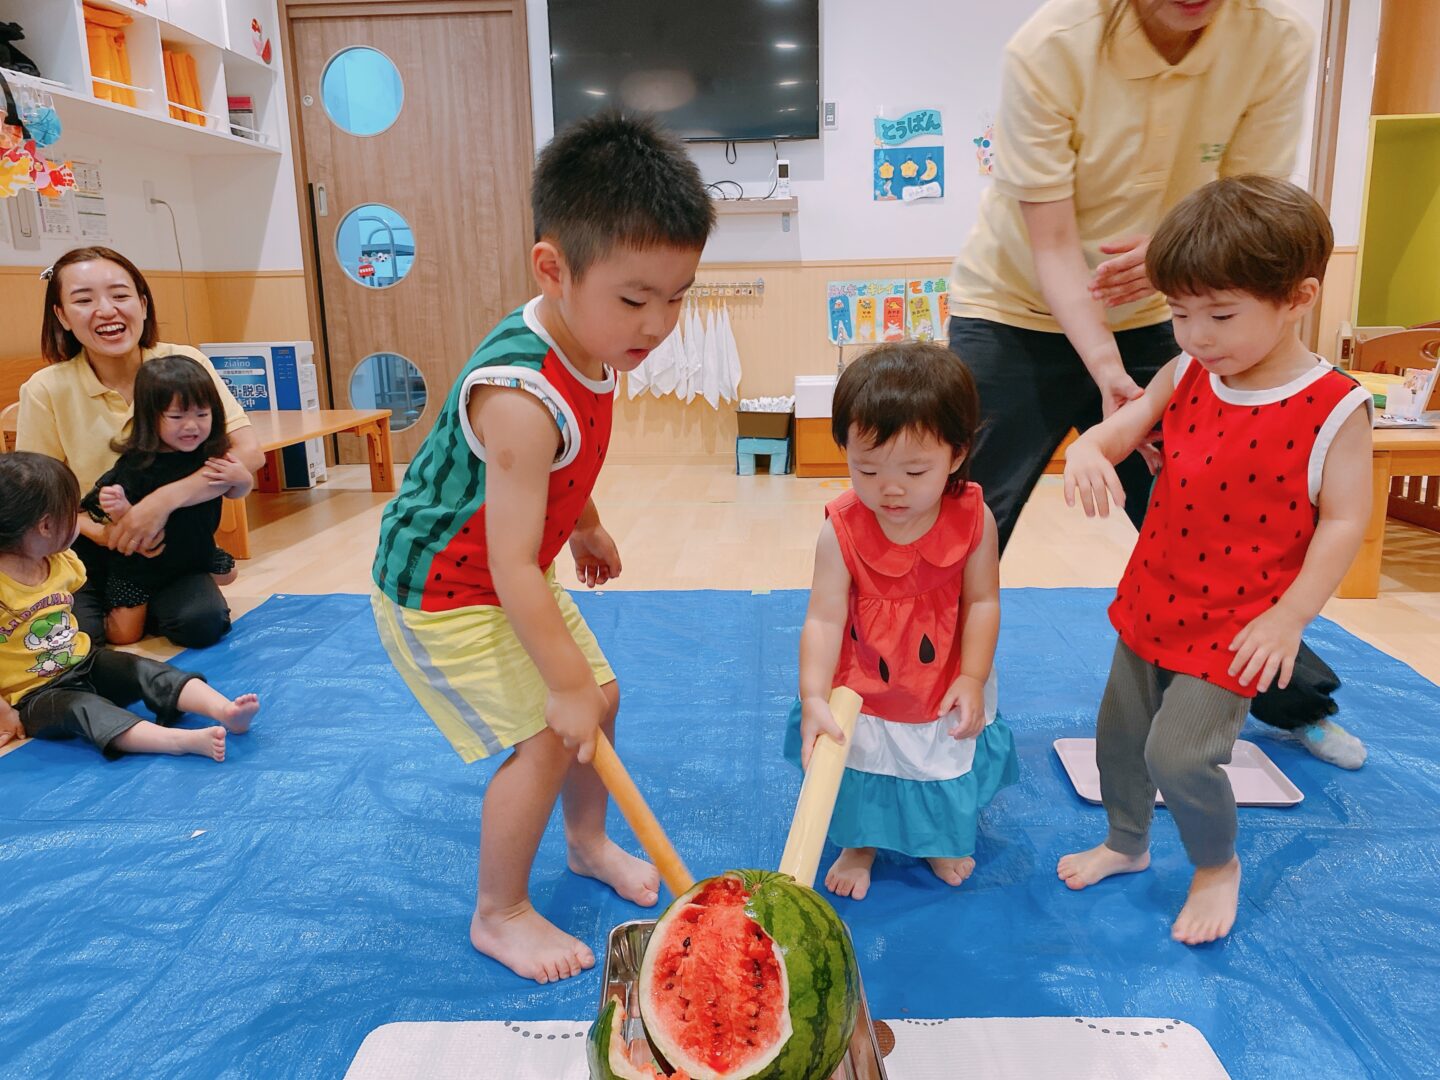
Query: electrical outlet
{"points": [[148, 190]]}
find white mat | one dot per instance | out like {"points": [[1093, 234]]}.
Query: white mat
{"points": [[1065, 1048], [1256, 779]]}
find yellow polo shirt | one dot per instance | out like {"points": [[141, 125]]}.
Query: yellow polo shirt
{"points": [[67, 413], [1127, 135]]}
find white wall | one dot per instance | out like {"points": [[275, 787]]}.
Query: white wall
{"points": [[939, 54]]}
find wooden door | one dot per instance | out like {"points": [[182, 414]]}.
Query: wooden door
{"points": [[454, 165]]}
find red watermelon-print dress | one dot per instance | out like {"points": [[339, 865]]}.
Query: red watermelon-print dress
{"points": [[908, 786]]}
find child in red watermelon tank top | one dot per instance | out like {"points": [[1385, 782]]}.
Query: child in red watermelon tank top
{"points": [[1259, 506], [905, 611]]}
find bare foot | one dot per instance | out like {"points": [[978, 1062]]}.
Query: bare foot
{"points": [[849, 875], [952, 871], [237, 714], [1209, 911], [633, 879], [205, 741], [530, 945], [1084, 868]]}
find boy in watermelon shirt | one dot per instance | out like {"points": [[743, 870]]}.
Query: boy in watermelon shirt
{"points": [[1257, 512], [465, 597]]}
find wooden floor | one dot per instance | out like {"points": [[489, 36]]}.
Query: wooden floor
{"points": [[701, 527]]}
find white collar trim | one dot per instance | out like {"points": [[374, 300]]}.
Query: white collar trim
{"points": [[532, 320], [1272, 394]]}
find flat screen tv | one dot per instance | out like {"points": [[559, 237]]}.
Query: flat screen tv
{"points": [[721, 71]]}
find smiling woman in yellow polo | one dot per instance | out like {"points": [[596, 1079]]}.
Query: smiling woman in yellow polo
{"points": [[99, 328]]}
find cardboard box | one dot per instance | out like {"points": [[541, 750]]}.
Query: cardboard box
{"points": [[268, 376]]}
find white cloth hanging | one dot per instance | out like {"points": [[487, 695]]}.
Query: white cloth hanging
{"points": [[662, 365], [712, 374], [730, 379], [689, 383], [638, 380]]}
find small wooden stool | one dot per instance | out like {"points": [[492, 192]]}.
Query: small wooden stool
{"points": [[748, 449]]}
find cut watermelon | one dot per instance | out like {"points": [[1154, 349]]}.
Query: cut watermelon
{"points": [[610, 1056], [749, 976]]}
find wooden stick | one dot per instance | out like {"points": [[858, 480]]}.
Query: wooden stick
{"points": [[642, 821], [816, 804]]}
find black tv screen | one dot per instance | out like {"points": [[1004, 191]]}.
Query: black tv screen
{"points": [[721, 71]]}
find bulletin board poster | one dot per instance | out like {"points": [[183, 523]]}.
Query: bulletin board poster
{"points": [[905, 174], [927, 306], [866, 311], [888, 309]]}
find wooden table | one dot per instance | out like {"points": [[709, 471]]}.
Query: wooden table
{"points": [[1414, 452], [277, 430]]}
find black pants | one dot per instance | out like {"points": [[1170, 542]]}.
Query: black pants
{"points": [[191, 611], [1033, 389], [90, 700]]}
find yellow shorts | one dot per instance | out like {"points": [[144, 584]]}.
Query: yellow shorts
{"points": [[470, 673]]}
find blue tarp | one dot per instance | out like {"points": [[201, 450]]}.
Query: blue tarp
{"points": [[173, 917]]}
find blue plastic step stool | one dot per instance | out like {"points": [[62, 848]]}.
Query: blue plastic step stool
{"points": [[748, 449]]}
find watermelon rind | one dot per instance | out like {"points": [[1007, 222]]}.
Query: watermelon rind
{"points": [[606, 1050], [823, 979]]}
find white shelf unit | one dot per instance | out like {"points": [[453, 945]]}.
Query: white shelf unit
{"points": [[55, 39]]}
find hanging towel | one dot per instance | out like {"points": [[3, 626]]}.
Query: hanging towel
{"points": [[712, 375], [661, 365], [694, 357], [730, 383]]}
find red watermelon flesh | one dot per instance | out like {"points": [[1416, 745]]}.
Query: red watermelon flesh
{"points": [[718, 985]]}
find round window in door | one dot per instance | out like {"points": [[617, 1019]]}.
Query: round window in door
{"points": [[375, 245], [362, 91], [389, 381]]}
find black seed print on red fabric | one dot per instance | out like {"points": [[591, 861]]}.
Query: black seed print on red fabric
{"points": [[1182, 622], [1254, 443], [1264, 518], [1147, 616], [1252, 478], [451, 594], [927, 650], [1202, 556], [1195, 400], [1208, 459], [853, 636], [1317, 429], [1183, 481], [1240, 591], [1227, 549], [1290, 445], [1309, 399], [1255, 550], [1192, 429], [1264, 575], [1175, 455], [572, 483], [1189, 506], [1189, 648], [592, 421], [1224, 485], [437, 577], [1284, 403], [1220, 434], [464, 559], [1293, 504], [1274, 600], [1184, 532], [465, 530], [1205, 589], [1172, 598], [884, 671], [1255, 412], [1227, 517], [1172, 406]]}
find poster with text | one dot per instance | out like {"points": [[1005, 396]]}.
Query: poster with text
{"points": [[927, 306], [865, 311]]}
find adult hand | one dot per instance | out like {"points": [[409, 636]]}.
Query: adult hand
{"points": [[597, 559], [1122, 280], [141, 529], [1116, 388]]}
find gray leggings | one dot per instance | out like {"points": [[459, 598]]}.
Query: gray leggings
{"points": [[1160, 729]]}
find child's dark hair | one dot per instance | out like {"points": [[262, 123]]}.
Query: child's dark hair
{"points": [[159, 384], [916, 386], [611, 181], [33, 487], [1252, 234]]}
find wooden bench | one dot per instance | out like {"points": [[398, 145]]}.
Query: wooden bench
{"points": [[277, 430]]}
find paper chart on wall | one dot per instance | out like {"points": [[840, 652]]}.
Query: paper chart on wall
{"points": [[886, 309]]}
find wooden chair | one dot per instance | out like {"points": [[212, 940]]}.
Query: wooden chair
{"points": [[1414, 499], [8, 417]]}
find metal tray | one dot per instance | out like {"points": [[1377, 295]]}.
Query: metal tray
{"points": [[623, 953]]}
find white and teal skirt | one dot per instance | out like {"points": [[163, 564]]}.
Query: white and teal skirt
{"points": [[911, 788]]}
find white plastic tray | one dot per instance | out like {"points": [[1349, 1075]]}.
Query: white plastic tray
{"points": [[1256, 779]]}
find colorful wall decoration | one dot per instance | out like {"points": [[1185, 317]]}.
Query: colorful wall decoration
{"points": [[904, 175], [886, 309]]}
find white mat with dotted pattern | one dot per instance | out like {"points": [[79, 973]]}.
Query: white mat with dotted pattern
{"points": [[1037, 1048]]}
